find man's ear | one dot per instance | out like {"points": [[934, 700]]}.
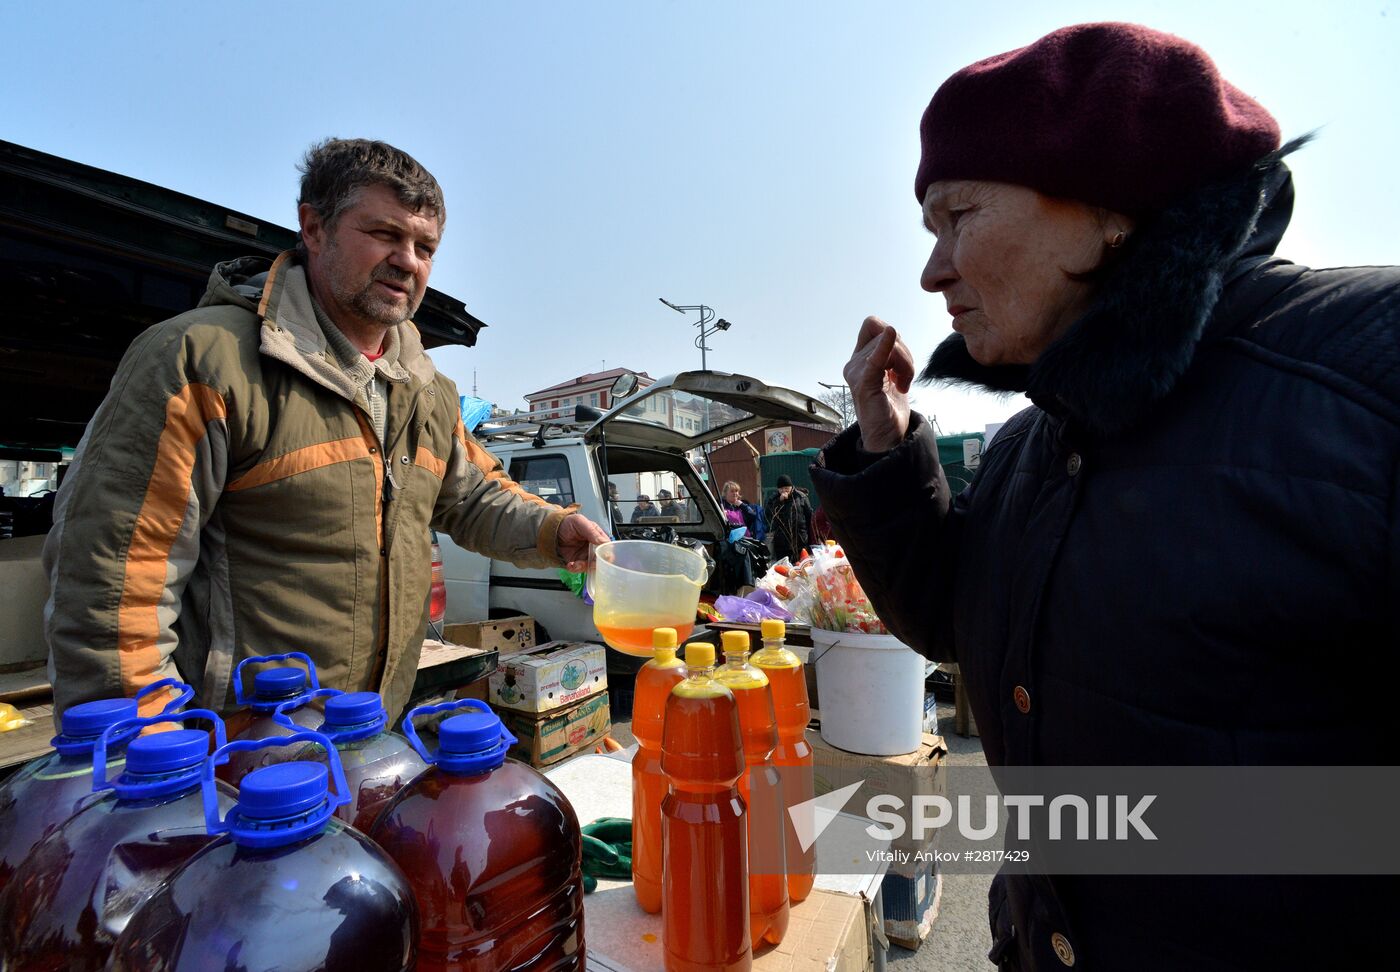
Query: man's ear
{"points": [[313, 229]]}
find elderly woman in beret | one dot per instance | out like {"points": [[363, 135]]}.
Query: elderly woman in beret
{"points": [[1198, 512]]}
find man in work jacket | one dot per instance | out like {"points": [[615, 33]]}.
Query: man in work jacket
{"points": [[263, 473]]}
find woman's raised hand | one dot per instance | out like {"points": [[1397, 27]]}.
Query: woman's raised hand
{"points": [[879, 374]]}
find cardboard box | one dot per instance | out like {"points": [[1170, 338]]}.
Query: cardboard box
{"points": [[549, 676], [919, 773], [912, 894], [548, 739], [507, 635]]}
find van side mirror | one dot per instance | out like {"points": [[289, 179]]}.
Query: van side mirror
{"points": [[625, 385]]}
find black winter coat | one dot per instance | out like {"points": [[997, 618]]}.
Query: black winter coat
{"points": [[1187, 552]]}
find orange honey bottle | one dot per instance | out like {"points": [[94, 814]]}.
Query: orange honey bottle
{"points": [[794, 754], [704, 840], [654, 683], [761, 788]]}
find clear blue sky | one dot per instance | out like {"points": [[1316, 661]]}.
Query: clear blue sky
{"points": [[755, 157]]}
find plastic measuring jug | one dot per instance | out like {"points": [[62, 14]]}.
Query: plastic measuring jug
{"points": [[50, 789], [377, 762], [285, 886], [273, 688], [640, 585], [76, 891]]}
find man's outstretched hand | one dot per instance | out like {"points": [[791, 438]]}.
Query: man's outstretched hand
{"points": [[576, 534]]}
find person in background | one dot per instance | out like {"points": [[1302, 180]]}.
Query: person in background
{"points": [[643, 507], [738, 513], [263, 475], [613, 502], [1200, 502], [668, 506], [789, 517]]}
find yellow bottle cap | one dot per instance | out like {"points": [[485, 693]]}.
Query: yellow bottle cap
{"points": [[734, 642], [700, 654], [772, 628], [663, 637]]}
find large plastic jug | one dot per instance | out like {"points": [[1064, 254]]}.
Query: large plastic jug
{"points": [[654, 683], [286, 886], [377, 762], [76, 891], [48, 790], [705, 848], [640, 585], [761, 788], [793, 757], [491, 848], [272, 688]]}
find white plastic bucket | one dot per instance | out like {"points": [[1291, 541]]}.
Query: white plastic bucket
{"points": [[871, 691]]}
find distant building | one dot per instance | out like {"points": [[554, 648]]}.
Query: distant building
{"points": [[558, 401]]}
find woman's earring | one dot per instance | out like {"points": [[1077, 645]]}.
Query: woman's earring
{"points": [[1117, 240]]}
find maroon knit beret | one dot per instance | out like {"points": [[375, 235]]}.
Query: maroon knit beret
{"points": [[1114, 115]]}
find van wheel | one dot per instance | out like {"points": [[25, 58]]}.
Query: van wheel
{"points": [[541, 632]]}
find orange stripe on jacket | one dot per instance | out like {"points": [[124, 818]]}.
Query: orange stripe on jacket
{"points": [[430, 462], [486, 462], [301, 461], [162, 513]]}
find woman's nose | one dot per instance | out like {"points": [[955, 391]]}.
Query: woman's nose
{"points": [[938, 273]]}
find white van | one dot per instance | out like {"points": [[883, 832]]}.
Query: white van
{"points": [[650, 440]]}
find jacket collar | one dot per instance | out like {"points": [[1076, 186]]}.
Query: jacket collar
{"points": [[1130, 348], [290, 332]]}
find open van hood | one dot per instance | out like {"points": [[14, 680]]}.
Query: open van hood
{"points": [[684, 411]]}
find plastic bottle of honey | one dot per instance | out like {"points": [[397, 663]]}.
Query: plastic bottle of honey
{"points": [[793, 757], [285, 886], [761, 788], [492, 850], [704, 868], [654, 683], [48, 790], [273, 688], [377, 762], [75, 892]]}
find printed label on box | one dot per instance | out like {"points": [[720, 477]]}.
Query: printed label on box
{"points": [[549, 676]]}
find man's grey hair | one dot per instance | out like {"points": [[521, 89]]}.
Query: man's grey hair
{"points": [[335, 171]]}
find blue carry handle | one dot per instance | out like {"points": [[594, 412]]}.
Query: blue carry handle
{"points": [[99, 753], [268, 659], [279, 714], [337, 798], [426, 710]]}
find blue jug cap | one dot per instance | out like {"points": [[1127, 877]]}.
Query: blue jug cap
{"points": [[83, 724], [157, 765], [167, 752], [470, 743], [283, 790], [274, 685], [278, 804], [90, 718], [354, 715], [278, 683]]}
